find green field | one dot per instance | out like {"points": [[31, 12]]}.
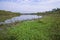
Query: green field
{"points": [[46, 28]]}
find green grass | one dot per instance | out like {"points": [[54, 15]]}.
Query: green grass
{"points": [[47, 28], [7, 14]]}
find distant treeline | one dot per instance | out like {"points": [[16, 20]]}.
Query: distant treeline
{"points": [[53, 11]]}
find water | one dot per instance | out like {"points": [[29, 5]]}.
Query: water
{"points": [[22, 18]]}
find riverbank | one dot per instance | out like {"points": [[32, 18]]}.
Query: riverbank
{"points": [[6, 15], [46, 28]]}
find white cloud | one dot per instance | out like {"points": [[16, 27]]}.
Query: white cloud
{"points": [[26, 0], [29, 5]]}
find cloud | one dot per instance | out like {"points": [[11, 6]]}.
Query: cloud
{"points": [[29, 5]]}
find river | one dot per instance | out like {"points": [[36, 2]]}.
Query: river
{"points": [[21, 18]]}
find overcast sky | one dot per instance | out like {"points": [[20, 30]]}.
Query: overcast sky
{"points": [[28, 6]]}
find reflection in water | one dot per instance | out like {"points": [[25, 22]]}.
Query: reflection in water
{"points": [[22, 18]]}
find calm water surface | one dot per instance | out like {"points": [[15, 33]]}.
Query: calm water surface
{"points": [[21, 18]]}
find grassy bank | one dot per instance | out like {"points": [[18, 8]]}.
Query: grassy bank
{"points": [[6, 15], [47, 28]]}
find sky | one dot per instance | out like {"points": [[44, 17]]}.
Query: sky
{"points": [[29, 6]]}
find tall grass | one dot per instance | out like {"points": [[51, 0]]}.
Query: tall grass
{"points": [[47, 28]]}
